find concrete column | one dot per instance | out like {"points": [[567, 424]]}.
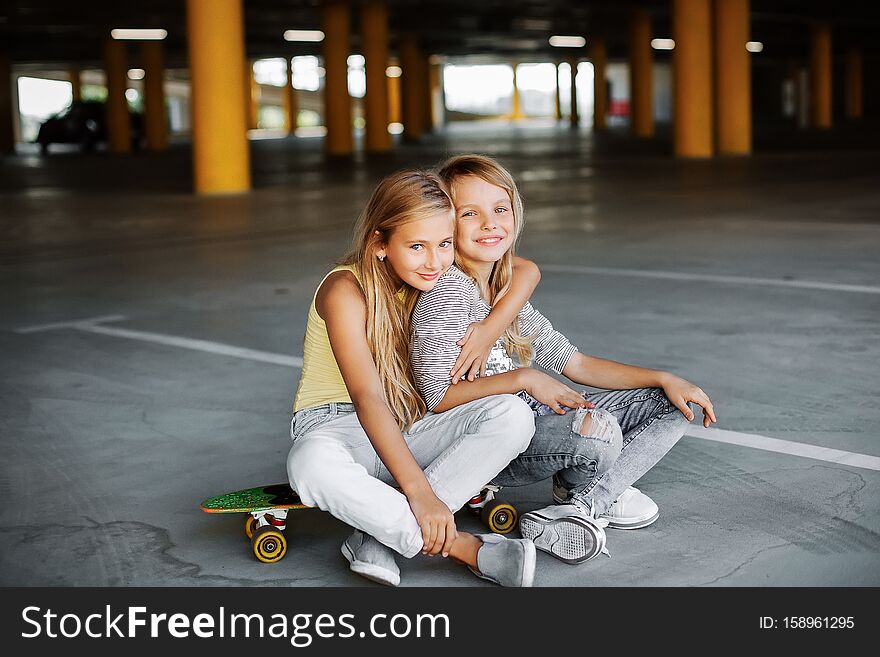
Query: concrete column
{"points": [[156, 122], [7, 107], [75, 86], [692, 78], [291, 100], [395, 113], [516, 114], [573, 114], [820, 76], [412, 88], [374, 40], [221, 160], [435, 96], [336, 47], [733, 78], [425, 93], [118, 119], [854, 88], [252, 95], [599, 57], [558, 98], [641, 76]]}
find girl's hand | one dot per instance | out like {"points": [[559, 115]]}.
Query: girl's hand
{"points": [[476, 345], [436, 522], [553, 393], [680, 392]]}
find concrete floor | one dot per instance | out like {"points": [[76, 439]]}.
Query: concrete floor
{"points": [[111, 442]]}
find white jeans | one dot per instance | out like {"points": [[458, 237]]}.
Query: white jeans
{"points": [[332, 464]]}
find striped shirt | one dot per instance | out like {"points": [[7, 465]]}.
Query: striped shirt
{"points": [[441, 318]]}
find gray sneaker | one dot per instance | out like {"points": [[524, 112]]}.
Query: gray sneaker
{"points": [[506, 561], [565, 531], [371, 559]]}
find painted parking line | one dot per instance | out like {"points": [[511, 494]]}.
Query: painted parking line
{"points": [[711, 278], [98, 325], [779, 446], [766, 443]]}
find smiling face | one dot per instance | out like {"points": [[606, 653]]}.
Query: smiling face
{"points": [[420, 251], [484, 220]]}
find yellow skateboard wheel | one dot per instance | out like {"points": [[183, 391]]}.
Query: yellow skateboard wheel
{"points": [[500, 517], [250, 525], [269, 544]]}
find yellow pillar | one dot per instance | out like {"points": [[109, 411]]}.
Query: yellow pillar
{"points": [[412, 89], [75, 86], [221, 160], [820, 76], [692, 78], [573, 114], [118, 119], [374, 39], [733, 78], [156, 123], [252, 95], [7, 129], [336, 24], [394, 101], [558, 98], [516, 114], [434, 94], [291, 100], [641, 76], [854, 94], [599, 55]]}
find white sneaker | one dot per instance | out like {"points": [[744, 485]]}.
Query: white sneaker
{"points": [[565, 531], [505, 561], [632, 510], [371, 559]]}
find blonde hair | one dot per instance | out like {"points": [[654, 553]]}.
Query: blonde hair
{"points": [[399, 199], [485, 168]]}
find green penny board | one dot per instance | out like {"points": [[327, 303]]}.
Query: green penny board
{"points": [[261, 498]]}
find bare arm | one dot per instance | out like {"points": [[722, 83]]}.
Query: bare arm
{"points": [[542, 387], [477, 342], [340, 303], [611, 375]]}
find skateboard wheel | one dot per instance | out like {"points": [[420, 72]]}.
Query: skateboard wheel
{"points": [[269, 544], [500, 517], [250, 526]]}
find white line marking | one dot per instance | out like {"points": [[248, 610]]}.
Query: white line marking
{"points": [[91, 326], [711, 278], [76, 323], [717, 435], [769, 444]]}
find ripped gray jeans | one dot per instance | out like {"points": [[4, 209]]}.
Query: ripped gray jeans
{"points": [[627, 433]]}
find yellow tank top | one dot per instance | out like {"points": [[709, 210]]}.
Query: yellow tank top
{"points": [[321, 381]]}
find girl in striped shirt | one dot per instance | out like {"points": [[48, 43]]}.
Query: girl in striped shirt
{"points": [[593, 445]]}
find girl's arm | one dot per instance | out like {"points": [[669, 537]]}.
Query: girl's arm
{"points": [[611, 375], [340, 303], [481, 336], [542, 387]]}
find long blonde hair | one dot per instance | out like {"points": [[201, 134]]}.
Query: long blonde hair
{"points": [[518, 346], [399, 199]]}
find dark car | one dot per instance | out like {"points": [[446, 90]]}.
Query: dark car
{"points": [[83, 123]]}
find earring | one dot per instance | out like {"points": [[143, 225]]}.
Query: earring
{"points": [[381, 258]]}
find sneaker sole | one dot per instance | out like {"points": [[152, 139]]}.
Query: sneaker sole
{"points": [[369, 571], [632, 524], [571, 540]]}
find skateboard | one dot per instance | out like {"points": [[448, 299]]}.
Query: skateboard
{"points": [[267, 508]]}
